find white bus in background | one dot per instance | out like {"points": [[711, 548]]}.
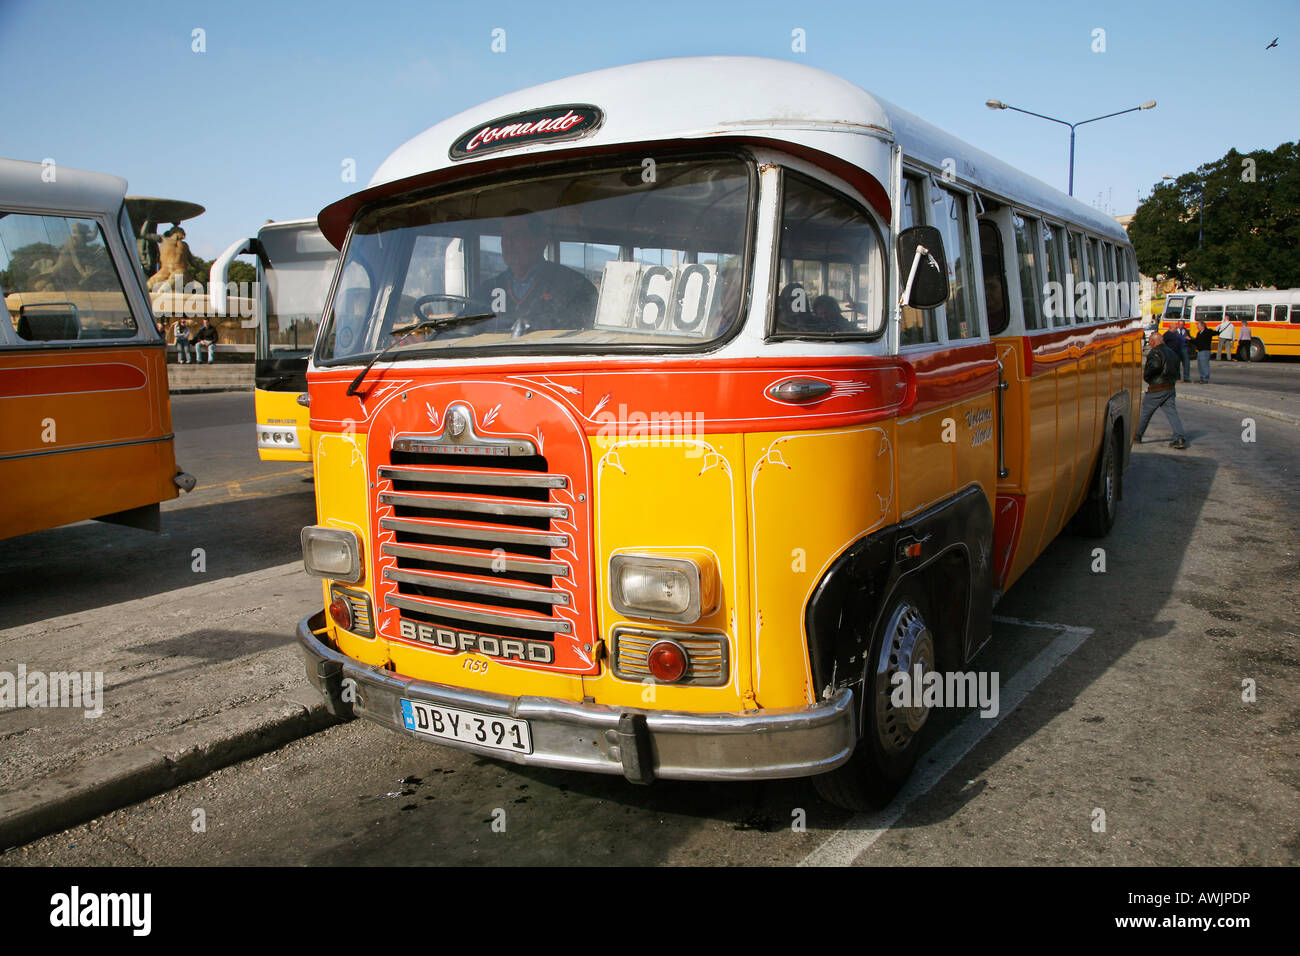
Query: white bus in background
{"points": [[295, 264], [1273, 316]]}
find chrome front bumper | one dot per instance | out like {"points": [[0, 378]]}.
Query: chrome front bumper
{"points": [[639, 744]]}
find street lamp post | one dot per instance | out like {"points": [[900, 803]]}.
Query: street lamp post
{"points": [[1200, 227], [999, 105]]}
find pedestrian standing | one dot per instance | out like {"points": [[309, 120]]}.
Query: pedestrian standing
{"points": [[1185, 350], [1202, 345], [1226, 335], [1160, 372], [1243, 343]]}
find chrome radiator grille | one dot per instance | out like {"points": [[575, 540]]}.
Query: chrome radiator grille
{"points": [[474, 546]]}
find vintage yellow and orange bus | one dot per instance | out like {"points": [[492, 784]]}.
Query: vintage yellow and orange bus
{"points": [[657, 431], [1273, 316], [85, 418], [294, 268]]}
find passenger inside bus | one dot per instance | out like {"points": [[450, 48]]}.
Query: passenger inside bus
{"points": [[532, 292]]}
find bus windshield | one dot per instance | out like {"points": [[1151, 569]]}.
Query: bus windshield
{"points": [[639, 254], [298, 265]]}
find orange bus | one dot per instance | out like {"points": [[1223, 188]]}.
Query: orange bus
{"points": [[85, 420], [661, 434]]}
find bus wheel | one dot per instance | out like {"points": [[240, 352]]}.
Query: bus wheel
{"points": [[1096, 515], [891, 735], [1257, 353]]}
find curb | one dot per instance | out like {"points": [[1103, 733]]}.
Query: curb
{"points": [[203, 389], [94, 787], [1239, 407]]}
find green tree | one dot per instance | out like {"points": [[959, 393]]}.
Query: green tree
{"points": [[198, 270], [1251, 209], [241, 272]]}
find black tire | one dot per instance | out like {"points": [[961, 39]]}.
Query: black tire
{"points": [[1257, 353], [1096, 516], [891, 737]]}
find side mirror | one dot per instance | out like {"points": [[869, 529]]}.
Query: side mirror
{"points": [[923, 267]]}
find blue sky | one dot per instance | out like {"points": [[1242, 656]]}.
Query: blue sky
{"points": [[257, 127]]}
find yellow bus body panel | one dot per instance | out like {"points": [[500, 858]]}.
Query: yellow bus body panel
{"points": [[667, 497], [282, 408]]}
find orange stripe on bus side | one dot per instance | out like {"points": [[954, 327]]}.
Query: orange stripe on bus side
{"points": [[33, 380]]}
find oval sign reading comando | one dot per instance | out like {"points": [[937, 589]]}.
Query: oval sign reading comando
{"points": [[549, 124]]}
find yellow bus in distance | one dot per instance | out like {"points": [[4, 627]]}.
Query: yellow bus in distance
{"points": [[294, 267]]}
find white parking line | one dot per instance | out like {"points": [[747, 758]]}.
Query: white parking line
{"points": [[864, 829]]}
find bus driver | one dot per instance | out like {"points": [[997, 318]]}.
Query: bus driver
{"points": [[533, 293]]}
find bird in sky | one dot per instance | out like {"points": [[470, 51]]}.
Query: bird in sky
{"points": [[1271, 45]]}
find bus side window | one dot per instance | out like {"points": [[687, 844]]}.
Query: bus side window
{"points": [[1109, 300], [1122, 284], [1026, 231], [1279, 313], [1295, 313], [1095, 278], [995, 277], [60, 280], [953, 221], [917, 326], [1261, 313], [1075, 245], [1054, 293], [832, 276], [1211, 315]]}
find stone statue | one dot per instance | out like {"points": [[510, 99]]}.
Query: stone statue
{"points": [[174, 258]]}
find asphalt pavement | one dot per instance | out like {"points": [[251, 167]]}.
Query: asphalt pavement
{"points": [[1128, 699], [193, 631]]}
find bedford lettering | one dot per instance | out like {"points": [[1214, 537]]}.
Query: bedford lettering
{"points": [[537, 652]]}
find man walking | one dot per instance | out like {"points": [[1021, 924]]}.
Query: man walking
{"points": [[1202, 345], [1243, 343], [1160, 372], [1226, 335]]}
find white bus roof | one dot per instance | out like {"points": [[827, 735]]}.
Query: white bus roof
{"points": [[24, 184], [286, 224], [1230, 296], [714, 97]]}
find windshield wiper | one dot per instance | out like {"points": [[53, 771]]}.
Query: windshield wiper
{"points": [[429, 325]]}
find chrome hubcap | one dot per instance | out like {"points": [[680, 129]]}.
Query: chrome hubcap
{"points": [[908, 649]]}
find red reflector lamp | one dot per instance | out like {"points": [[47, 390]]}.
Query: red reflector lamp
{"points": [[667, 662], [341, 612]]}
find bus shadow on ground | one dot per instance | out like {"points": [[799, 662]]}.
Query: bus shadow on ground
{"points": [[92, 564], [1164, 493]]}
